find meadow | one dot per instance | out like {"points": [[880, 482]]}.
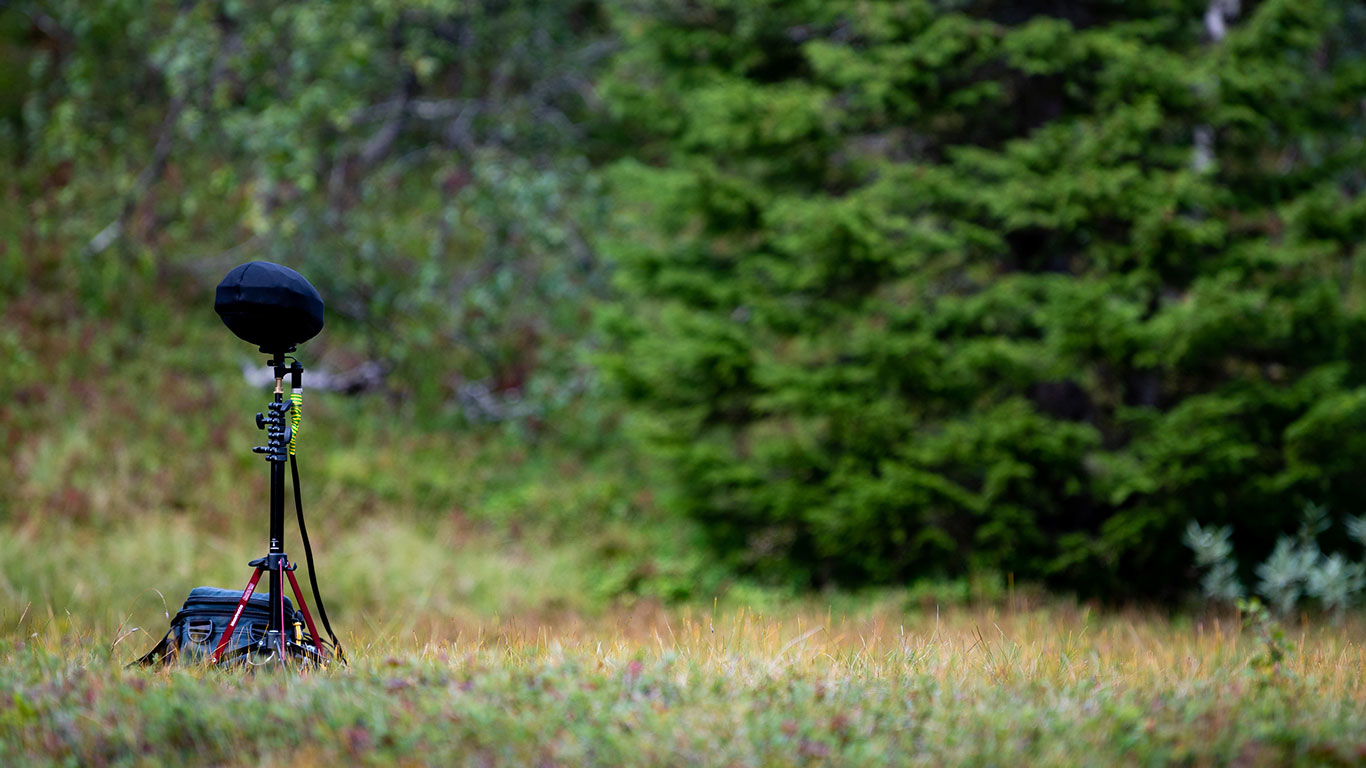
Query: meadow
{"points": [[885, 683], [510, 601], [477, 642]]}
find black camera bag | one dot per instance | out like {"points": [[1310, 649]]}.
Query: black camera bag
{"points": [[200, 622]]}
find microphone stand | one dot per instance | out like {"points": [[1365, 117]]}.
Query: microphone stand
{"points": [[279, 641]]}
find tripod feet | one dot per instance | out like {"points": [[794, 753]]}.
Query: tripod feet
{"points": [[298, 655]]}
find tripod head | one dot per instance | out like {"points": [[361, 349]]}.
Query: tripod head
{"points": [[281, 419]]}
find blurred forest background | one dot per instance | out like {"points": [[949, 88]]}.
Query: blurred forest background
{"points": [[664, 300]]}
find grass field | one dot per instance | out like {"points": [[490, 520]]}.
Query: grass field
{"points": [[469, 650], [509, 604], [510, 622], [1044, 685]]}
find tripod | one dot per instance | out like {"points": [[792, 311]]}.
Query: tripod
{"points": [[281, 422]]}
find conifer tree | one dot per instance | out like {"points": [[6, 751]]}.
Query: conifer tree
{"points": [[921, 288]]}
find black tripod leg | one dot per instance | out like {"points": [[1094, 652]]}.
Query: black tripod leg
{"points": [[278, 579]]}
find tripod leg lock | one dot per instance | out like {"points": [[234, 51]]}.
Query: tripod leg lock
{"points": [[276, 561]]}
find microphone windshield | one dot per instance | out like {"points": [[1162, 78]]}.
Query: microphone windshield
{"points": [[270, 306]]}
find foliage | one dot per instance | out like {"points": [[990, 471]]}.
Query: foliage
{"points": [[423, 162], [1269, 663], [1296, 570], [1213, 552], [916, 288], [906, 289]]}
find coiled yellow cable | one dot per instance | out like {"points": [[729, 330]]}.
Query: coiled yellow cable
{"points": [[296, 416]]}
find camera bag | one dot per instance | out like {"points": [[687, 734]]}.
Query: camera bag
{"points": [[201, 620]]}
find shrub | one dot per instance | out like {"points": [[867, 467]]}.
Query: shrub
{"points": [[1296, 572], [913, 292]]}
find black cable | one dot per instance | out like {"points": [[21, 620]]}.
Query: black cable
{"points": [[308, 555]]}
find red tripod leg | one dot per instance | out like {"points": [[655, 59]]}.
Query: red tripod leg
{"points": [[308, 617], [236, 615]]}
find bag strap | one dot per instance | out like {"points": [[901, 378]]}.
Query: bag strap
{"points": [[159, 654]]}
